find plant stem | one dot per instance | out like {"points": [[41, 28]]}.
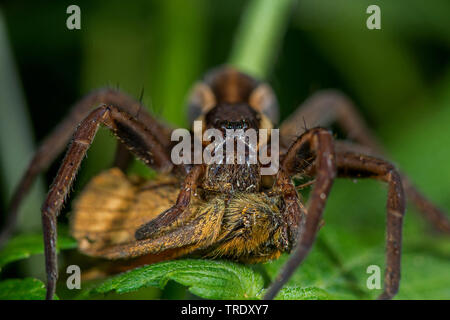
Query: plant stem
{"points": [[259, 35], [16, 140]]}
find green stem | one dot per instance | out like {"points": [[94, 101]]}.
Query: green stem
{"points": [[16, 140], [17, 148], [259, 35]]}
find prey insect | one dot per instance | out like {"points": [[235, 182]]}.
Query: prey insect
{"points": [[221, 210]]}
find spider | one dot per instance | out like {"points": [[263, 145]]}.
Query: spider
{"points": [[222, 210]]}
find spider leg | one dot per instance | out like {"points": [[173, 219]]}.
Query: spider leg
{"points": [[433, 214], [122, 157], [315, 145], [327, 107], [55, 143], [351, 165], [130, 132], [179, 212], [323, 109]]}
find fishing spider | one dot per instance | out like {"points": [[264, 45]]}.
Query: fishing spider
{"points": [[221, 210]]}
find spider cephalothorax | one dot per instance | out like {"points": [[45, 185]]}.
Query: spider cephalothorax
{"points": [[223, 209]]}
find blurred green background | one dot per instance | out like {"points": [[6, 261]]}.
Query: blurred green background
{"points": [[399, 77]]}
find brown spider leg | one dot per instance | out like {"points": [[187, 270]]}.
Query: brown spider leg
{"points": [[323, 109], [351, 165], [179, 212], [131, 132], [315, 145], [55, 143], [434, 215], [327, 107], [122, 157]]}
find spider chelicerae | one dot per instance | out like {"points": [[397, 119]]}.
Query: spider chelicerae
{"points": [[221, 210]]}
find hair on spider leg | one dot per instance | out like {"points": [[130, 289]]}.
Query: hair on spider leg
{"points": [[149, 106], [305, 128], [112, 86], [141, 97], [306, 184]]}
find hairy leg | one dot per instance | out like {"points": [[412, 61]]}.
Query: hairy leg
{"points": [[327, 107], [122, 157], [351, 165], [179, 212], [130, 132], [314, 146], [433, 214], [323, 109], [55, 143]]}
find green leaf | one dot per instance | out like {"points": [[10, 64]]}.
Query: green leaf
{"points": [[319, 277], [208, 279], [297, 293], [25, 245], [22, 289]]}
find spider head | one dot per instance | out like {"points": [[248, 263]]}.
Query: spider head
{"points": [[239, 116], [227, 87], [233, 109]]}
